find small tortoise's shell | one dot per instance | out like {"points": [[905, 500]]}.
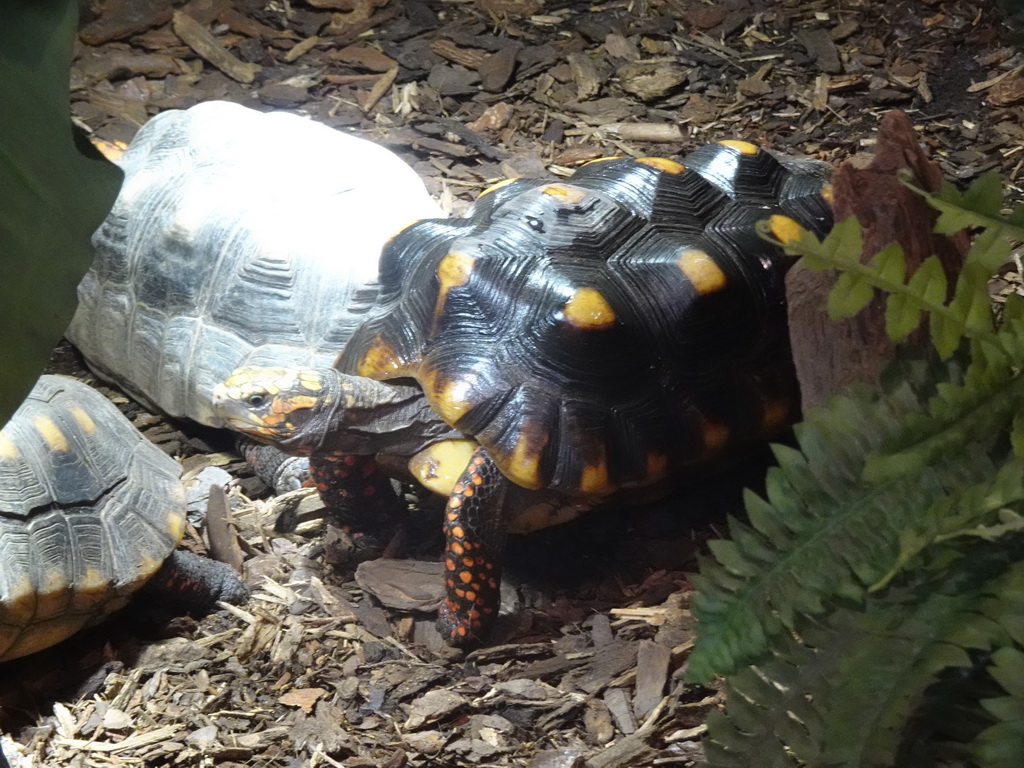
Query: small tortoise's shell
{"points": [[89, 509], [238, 238], [596, 333]]}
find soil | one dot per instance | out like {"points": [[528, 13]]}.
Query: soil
{"points": [[330, 664]]}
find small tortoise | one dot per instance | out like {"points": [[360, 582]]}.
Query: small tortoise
{"points": [[90, 511], [238, 238], [569, 343]]}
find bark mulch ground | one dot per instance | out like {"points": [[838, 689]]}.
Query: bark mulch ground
{"points": [[334, 665]]}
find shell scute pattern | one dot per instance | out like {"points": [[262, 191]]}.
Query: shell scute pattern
{"points": [[605, 328], [238, 238], [88, 510]]}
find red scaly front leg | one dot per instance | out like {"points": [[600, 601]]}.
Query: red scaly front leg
{"points": [[474, 533]]}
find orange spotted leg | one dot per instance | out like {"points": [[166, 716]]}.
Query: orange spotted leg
{"points": [[474, 534], [362, 497]]}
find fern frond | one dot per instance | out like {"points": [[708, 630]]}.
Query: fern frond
{"points": [[979, 206], [841, 691], [823, 533], [1001, 745]]}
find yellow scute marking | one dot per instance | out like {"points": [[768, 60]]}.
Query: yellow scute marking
{"points": [[588, 309], [701, 270], [20, 602], [439, 466], [449, 397], [84, 420], [827, 193], [774, 414], [379, 361], [8, 450], [663, 164], [55, 439], [594, 476], [454, 269], [568, 194], [784, 228], [715, 435], [657, 467], [743, 147], [602, 159], [496, 186], [523, 466], [176, 526]]}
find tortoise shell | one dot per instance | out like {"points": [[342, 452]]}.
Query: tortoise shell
{"points": [[89, 509], [596, 333], [238, 238]]}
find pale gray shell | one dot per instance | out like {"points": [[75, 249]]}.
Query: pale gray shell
{"points": [[89, 509], [238, 238]]}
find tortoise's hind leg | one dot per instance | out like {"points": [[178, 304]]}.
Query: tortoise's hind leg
{"points": [[474, 531]]}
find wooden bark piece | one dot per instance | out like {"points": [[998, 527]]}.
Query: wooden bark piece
{"points": [[829, 356]]}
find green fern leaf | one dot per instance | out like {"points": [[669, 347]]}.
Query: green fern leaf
{"points": [[848, 296], [842, 691], [1002, 745]]}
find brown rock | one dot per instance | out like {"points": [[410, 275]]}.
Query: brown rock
{"points": [[830, 356]]}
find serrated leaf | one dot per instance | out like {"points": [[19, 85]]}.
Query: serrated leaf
{"points": [[985, 194], [848, 296], [902, 316], [929, 282], [990, 250], [891, 264]]}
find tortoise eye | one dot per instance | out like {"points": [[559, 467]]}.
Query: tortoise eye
{"points": [[256, 400]]}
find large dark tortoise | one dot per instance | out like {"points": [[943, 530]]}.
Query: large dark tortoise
{"points": [[566, 344]]}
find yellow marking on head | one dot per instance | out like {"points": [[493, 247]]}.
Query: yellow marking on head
{"points": [[743, 147], [701, 270], [439, 466], [496, 186], [55, 439], [588, 309], [380, 361], [566, 193], [523, 466], [8, 450], [827, 192], [84, 420], [310, 380], [785, 229], [662, 164]]}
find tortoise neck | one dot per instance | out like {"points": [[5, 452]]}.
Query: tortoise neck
{"points": [[364, 416]]}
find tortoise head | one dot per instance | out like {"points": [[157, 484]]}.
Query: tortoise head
{"points": [[275, 404]]}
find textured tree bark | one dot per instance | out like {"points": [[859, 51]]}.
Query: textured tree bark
{"points": [[829, 356]]}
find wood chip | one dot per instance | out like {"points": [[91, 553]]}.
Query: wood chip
{"points": [[206, 46]]}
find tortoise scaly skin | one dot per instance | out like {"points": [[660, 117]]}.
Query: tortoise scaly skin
{"points": [[587, 339]]}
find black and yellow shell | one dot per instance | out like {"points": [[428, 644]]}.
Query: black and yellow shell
{"points": [[89, 509], [596, 333]]}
